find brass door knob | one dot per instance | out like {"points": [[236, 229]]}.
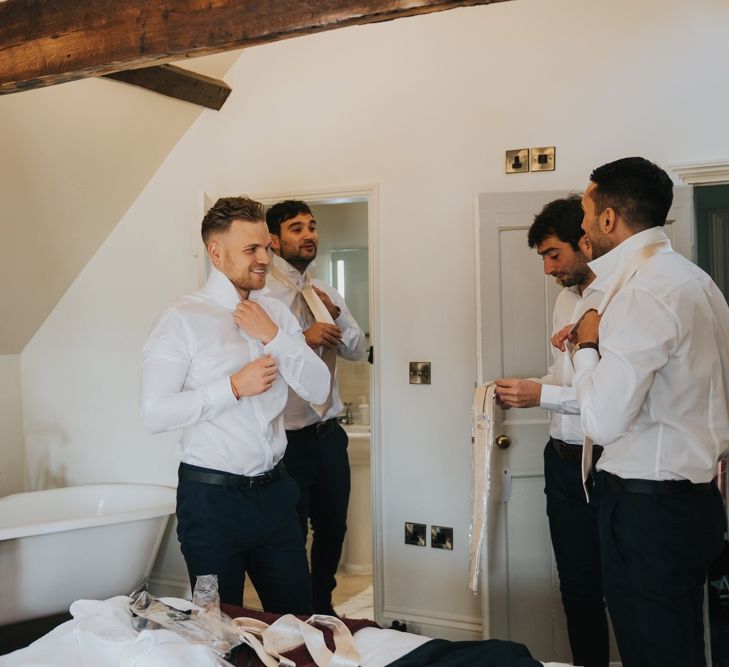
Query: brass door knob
{"points": [[503, 441]]}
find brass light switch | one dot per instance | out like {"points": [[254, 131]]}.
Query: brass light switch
{"points": [[419, 372]]}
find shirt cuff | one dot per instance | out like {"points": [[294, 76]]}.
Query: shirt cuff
{"points": [[221, 393], [551, 397], [281, 344], [585, 359]]}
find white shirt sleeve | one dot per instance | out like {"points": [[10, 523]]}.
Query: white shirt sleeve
{"points": [[612, 386], [559, 399], [352, 344], [165, 404], [554, 396], [299, 365]]}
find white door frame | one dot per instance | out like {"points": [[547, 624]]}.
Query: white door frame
{"points": [[337, 195]]}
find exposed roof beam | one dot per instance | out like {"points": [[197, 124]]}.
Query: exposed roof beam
{"points": [[44, 42], [178, 83]]}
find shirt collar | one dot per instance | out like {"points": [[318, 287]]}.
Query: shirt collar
{"points": [[613, 263], [291, 271], [223, 291]]}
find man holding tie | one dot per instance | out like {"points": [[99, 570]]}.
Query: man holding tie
{"points": [[316, 456]]}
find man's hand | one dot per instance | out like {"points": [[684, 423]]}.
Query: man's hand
{"points": [[515, 393], [558, 339], [256, 377], [252, 319], [587, 330], [334, 311], [322, 334]]}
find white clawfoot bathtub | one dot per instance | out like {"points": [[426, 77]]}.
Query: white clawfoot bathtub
{"points": [[62, 545]]}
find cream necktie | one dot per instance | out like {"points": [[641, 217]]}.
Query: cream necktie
{"points": [[288, 632], [624, 275], [486, 423], [309, 308]]}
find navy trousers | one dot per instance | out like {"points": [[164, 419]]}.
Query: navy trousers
{"points": [[656, 551], [233, 531], [320, 466], [573, 528]]}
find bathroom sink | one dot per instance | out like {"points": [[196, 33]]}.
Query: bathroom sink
{"points": [[359, 444], [357, 430]]}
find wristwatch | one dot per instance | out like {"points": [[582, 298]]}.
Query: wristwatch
{"points": [[587, 345]]}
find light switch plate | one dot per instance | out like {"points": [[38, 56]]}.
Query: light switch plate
{"points": [[517, 161], [419, 372], [543, 158]]}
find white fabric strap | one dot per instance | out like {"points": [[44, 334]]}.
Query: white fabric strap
{"points": [[288, 632], [628, 271], [308, 304], [486, 422]]}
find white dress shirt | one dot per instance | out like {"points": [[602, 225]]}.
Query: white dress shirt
{"points": [[656, 395], [193, 349], [299, 412], [558, 393]]}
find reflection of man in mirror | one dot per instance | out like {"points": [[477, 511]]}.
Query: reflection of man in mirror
{"points": [[217, 365], [316, 455], [557, 236]]}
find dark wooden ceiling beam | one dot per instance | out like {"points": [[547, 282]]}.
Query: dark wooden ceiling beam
{"points": [[44, 42], [179, 83]]}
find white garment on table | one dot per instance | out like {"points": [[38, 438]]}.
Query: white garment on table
{"points": [[299, 412], [193, 349], [558, 393], [656, 395], [101, 635]]}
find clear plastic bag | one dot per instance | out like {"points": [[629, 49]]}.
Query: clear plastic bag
{"points": [[203, 623]]}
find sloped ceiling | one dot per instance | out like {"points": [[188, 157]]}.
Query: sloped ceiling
{"points": [[73, 158]]}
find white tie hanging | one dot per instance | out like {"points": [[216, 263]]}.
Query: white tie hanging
{"points": [[486, 423]]}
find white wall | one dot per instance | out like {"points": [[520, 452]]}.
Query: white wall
{"points": [[12, 460], [424, 108]]}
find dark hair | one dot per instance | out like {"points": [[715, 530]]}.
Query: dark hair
{"points": [[561, 218], [639, 191], [283, 211], [227, 209]]}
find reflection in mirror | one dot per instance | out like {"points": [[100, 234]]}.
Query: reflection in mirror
{"points": [[343, 262]]}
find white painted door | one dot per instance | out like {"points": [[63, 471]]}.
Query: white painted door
{"points": [[514, 317], [514, 307]]}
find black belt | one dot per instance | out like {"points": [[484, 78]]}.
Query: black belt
{"points": [[219, 478], [318, 430], [615, 484], [573, 453]]}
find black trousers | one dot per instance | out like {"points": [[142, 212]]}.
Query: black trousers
{"points": [[573, 528], [483, 653], [320, 466], [656, 551], [232, 531]]}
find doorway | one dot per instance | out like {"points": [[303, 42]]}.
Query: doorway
{"points": [[347, 235], [520, 591]]}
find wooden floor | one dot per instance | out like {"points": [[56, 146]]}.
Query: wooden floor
{"points": [[348, 585]]}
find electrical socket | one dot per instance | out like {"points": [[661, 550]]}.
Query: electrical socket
{"points": [[517, 161]]}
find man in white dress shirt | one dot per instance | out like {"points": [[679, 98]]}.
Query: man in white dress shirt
{"points": [[652, 379], [557, 236], [316, 455], [218, 365]]}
